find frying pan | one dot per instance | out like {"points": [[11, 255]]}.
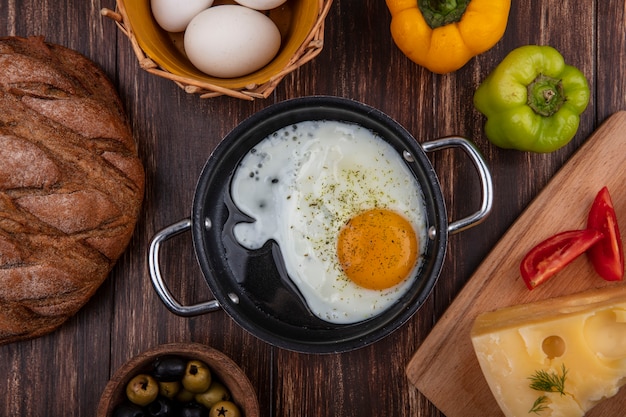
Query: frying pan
{"points": [[252, 286]]}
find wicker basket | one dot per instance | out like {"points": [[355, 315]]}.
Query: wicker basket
{"points": [[301, 23]]}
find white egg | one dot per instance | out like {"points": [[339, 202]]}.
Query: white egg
{"points": [[231, 41], [301, 185], [175, 15], [261, 4]]}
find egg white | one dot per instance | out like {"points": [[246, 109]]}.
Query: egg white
{"points": [[230, 40], [301, 185]]}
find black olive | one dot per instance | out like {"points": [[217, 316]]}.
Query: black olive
{"points": [[169, 368], [128, 409], [161, 407], [193, 409]]}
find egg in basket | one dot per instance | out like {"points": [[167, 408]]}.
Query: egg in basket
{"points": [[300, 24]]}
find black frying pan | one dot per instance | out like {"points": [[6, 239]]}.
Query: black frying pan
{"points": [[251, 286]]}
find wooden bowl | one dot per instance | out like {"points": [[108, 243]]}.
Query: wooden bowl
{"points": [[300, 22], [222, 367]]}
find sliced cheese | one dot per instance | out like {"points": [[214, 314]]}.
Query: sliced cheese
{"points": [[585, 334]]}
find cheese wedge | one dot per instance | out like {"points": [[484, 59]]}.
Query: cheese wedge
{"points": [[579, 340]]}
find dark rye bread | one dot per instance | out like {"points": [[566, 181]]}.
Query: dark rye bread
{"points": [[71, 184]]}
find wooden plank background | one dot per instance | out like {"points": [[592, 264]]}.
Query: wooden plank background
{"points": [[63, 374]]}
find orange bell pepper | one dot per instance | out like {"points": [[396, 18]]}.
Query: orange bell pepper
{"points": [[443, 35]]}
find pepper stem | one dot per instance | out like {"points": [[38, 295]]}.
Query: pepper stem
{"points": [[545, 95], [442, 12]]}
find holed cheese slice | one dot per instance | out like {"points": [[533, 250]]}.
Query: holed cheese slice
{"points": [[582, 334]]}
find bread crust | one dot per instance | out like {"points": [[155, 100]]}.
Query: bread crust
{"points": [[71, 184]]}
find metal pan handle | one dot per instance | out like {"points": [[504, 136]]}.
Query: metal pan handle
{"points": [[157, 280], [483, 173]]}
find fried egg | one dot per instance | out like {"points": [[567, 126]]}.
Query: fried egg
{"points": [[345, 210]]}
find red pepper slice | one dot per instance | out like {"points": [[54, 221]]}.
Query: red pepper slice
{"points": [[607, 256], [553, 254]]}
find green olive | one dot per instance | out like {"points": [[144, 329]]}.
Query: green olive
{"points": [[197, 377], [184, 396], [225, 409], [216, 392], [169, 389], [142, 389]]}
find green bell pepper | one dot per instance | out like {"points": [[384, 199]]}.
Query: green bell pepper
{"points": [[532, 100]]}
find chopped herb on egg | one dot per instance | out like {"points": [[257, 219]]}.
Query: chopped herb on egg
{"points": [[333, 172]]}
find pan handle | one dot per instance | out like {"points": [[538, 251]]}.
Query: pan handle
{"points": [[483, 173], [157, 280]]}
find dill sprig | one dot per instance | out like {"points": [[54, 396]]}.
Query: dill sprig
{"points": [[539, 405], [549, 381]]}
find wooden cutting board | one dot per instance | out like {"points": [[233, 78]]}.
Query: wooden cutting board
{"points": [[445, 368]]}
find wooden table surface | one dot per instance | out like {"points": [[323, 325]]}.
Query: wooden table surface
{"points": [[63, 373]]}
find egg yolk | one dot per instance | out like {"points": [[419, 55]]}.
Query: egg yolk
{"points": [[377, 249]]}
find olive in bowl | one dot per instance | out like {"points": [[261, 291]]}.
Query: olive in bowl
{"points": [[179, 379]]}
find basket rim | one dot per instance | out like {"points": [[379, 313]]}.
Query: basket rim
{"points": [[308, 50]]}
